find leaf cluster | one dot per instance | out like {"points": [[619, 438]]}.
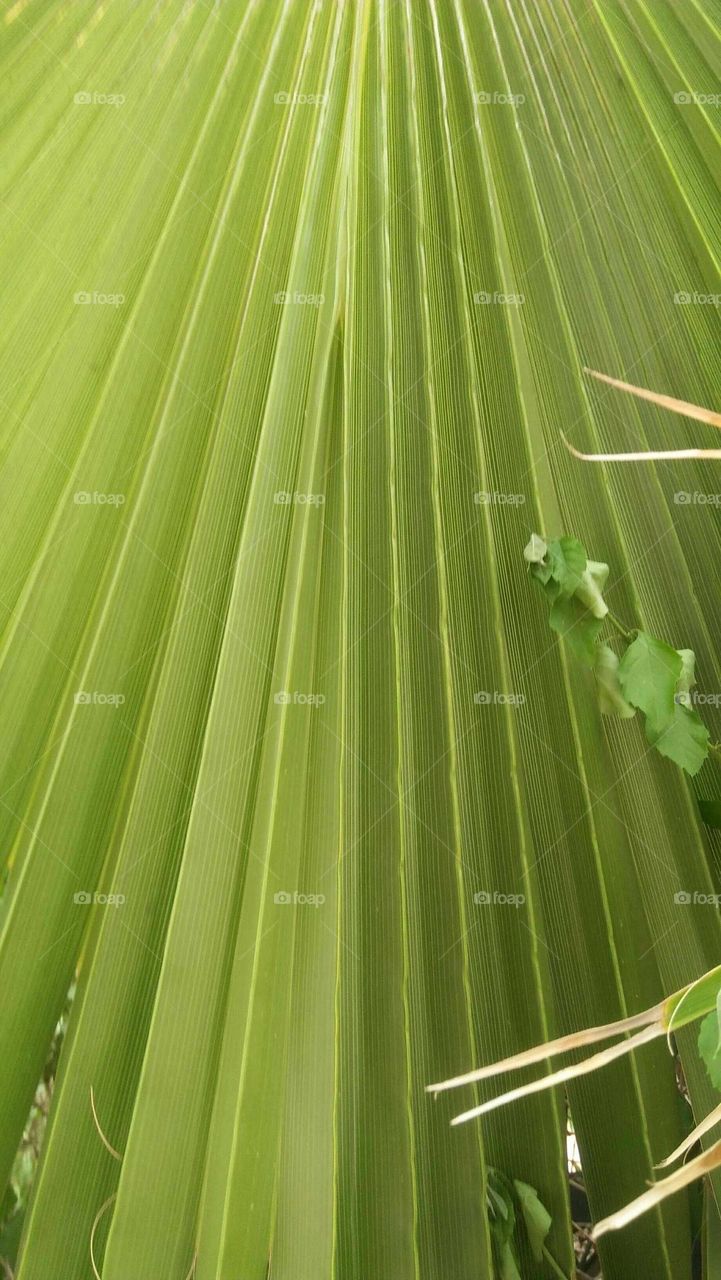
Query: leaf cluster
{"points": [[514, 1206], [650, 676]]}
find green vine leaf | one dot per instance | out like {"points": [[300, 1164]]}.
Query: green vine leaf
{"points": [[684, 740], [567, 560], [536, 549], [648, 673], [509, 1270], [558, 565], [590, 588], [573, 622], [708, 1047], [501, 1212], [610, 698], [536, 1217], [657, 679]]}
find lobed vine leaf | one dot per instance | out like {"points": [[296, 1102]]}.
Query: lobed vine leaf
{"points": [[685, 739], [648, 673], [657, 679]]}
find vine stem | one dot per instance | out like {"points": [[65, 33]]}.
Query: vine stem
{"points": [[627, 635]]}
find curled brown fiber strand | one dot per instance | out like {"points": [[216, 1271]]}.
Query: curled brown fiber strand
{"points": [[101, 1135], [94, 1228]]}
